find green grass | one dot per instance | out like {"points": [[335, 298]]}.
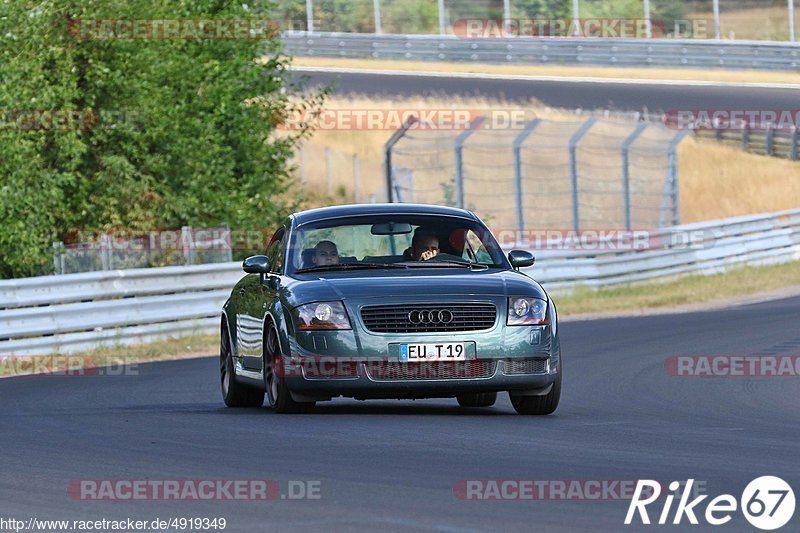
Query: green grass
{"points": [[185, 347], [687, 290]]}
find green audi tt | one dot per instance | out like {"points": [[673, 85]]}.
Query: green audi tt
{"points": [[388, 301]]}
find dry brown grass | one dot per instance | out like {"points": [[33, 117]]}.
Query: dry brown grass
{"points": [[735, 76], [760, 23], [716, 180]]}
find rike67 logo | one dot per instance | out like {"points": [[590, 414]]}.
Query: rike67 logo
{"points": [[767, 503]]}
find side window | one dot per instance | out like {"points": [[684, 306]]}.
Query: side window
{"points": [[276, 251], [475, 250]]}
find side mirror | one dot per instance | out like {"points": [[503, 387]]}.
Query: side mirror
{"points": [[520, 258], [257, 264]]}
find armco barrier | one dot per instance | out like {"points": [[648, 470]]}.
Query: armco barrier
{"points": [[80, 311], [767, 55]]}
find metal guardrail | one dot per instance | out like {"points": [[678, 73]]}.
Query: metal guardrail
{"points": [[773, 141], [73, 312], [716, 246], [551, 51]]}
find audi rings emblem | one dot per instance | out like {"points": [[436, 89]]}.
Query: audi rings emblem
{"points": [[430, 316]]}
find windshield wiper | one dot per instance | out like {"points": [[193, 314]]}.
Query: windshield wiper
{"points": [[445, 263], [348, 266]]}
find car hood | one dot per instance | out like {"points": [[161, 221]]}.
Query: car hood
{"points": [[382, 285]]}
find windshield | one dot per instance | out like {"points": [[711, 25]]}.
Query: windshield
{"points": [[393, 241]]}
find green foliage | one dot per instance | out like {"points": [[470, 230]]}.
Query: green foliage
{"points": [[541, 9], [617, 9], [344, 15], [185, 134], [410, 16]]}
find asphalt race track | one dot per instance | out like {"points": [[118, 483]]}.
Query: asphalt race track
{"points": [[569, 94], [392, 465]]}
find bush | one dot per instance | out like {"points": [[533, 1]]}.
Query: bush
{"points": [[182, 131]]}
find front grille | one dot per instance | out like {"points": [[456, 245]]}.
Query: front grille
{"points": [[393, 371], [398, 318], [524, 366]]}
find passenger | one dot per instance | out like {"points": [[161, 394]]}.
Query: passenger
{"points": [[325, 253], [424, 245]]}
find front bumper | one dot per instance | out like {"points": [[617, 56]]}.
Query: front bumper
{"points": [[490, 354], [373, 378]]}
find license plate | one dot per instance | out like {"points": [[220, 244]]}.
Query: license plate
{"points": [[439, 351]]}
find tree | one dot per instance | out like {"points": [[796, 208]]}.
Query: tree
{"points": [[174, 131]]}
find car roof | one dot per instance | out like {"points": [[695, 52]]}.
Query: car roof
{"points": [[337, 211]]}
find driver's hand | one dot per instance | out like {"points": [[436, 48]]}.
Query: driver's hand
{"points": [[428, 254]]}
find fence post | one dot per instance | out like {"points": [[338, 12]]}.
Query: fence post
{"points": [[328, 178], [356, 179], [387, 155], [228, 242], [187, 244], [58, 257], [376, 7], [717, 32], [745, 136], [518, 142], [309, 16], [671, 190], [302, 163], [573, 169], [460, 140], [105, 251], [791, 20], [769, 140], [626, 171], [648, 29], [441, 17]]}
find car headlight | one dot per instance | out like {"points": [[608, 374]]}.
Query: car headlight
{"points": [[525, 311], [321, 315]]}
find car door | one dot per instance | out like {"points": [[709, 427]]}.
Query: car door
{"points": [[257, 295]]}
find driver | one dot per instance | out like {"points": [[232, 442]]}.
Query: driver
{"points": [[325, 253], [424, 245]]}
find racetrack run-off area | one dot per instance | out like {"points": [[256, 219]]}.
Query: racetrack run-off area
{"points": [[635, 95], [393, 465]]}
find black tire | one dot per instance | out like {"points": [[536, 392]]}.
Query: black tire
{"points": [[539, 405], [477, 399], [278, 394], [234, 393]]}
